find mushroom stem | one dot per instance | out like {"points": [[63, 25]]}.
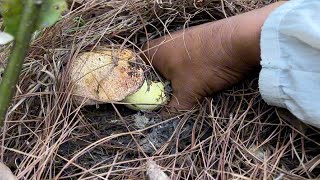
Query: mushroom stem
{"points": [[151, 96]]}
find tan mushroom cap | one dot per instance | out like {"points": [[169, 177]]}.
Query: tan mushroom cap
{"points": [[107, 75]]}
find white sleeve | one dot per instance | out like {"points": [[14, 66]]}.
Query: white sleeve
{"points": [[290, 52]]}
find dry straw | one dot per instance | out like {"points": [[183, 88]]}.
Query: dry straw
{"points": [[233, 135]]}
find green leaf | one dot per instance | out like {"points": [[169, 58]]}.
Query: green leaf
{"points": [[50, 13], [11, 12]]}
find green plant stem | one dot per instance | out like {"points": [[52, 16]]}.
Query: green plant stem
{"points": [[20, 47]]}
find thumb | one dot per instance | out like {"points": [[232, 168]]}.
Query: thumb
{"points": [[159, 54], [180, 101]]}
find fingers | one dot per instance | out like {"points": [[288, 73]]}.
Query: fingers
{"points": [[180, 101], [150, 56], [151, 49], [162, 54], [167, 57]]}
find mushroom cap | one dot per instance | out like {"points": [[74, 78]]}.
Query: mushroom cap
{"points": [[106, 75]]}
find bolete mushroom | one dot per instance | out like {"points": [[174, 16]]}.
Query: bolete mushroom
{"points": [[114, 75]]}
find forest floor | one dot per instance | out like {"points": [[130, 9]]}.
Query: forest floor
{"points": [[231, 135]]}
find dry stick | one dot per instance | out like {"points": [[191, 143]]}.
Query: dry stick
{"points": [[18, 53]]}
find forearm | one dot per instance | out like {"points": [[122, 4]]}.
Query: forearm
{"points": [[208, 58], [237, 37], [245, 37]]}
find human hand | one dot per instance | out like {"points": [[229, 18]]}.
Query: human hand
{"points": [[208, 58]]}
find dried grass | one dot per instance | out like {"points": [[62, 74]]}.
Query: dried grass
{"points": [[233, 135]]}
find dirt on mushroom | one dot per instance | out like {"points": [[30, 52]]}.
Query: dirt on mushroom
{"points": [[104, 76]]}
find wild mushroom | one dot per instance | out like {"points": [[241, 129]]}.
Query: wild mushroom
{"points": [[114, 75]]}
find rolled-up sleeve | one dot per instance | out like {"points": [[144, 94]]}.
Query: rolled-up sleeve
{"points": [[290, 52]]}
